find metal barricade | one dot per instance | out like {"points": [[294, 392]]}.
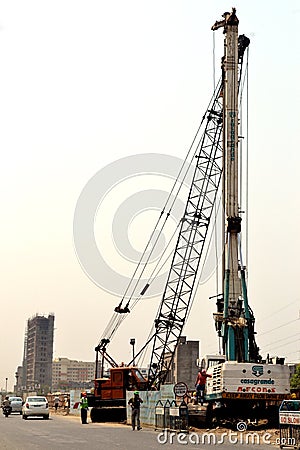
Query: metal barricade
{"points": [[289, 424], [167, 415], [184, 417], [179, 417], [159, 416], [174, 416]]}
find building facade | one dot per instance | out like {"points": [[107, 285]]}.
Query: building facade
{"points": [[71, 374], [184, 367], [38, 354], [19, 380]]}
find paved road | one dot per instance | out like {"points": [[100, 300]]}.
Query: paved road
{"points": [[66, 433]]}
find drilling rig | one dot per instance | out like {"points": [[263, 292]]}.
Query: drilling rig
{"points": [[242, 384]]}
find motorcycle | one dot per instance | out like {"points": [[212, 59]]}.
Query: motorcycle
{"points": [[6, 410]]}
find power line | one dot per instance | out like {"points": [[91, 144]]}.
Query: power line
{"points": [[280, 340], [277, 328], [279, 310], [295, 351], [286, 343]]}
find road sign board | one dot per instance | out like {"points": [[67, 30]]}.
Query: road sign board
{"points": [[180, 389]]}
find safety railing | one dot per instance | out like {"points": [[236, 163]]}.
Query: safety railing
{"points": [[159, 416], [170, 416]]}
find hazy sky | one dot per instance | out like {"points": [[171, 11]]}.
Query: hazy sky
{"points": [[85, 83]]}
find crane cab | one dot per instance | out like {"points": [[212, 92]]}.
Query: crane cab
{"points": [[108, 401], [112, 390]]}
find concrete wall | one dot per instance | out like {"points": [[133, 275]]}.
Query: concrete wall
{"points": [[184, 366], [185, 362]]}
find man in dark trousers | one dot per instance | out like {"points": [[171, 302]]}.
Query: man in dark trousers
{"points": [[83, 408], [200, 384], [135, 403]]}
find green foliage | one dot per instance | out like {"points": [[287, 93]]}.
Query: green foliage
{"points": [[295, 379]]}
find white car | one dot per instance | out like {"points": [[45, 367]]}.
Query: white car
{"points": [[35, 406], [16, 404]]}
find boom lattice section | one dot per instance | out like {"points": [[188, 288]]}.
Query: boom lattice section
{"points": [[177, 296]]}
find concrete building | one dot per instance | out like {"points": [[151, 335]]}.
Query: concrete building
{"points": [[184, 367], [38, 354], [72, 374], [19, 380]]}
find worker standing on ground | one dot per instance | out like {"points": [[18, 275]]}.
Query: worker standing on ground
{"points": [[135, 403], [56, 402], [67, 405], [200, 384], [84, 408]]}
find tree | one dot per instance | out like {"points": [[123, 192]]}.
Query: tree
{"points": [[295, 379]]}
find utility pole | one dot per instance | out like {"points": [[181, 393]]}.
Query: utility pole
{"points": [[17, 381]]}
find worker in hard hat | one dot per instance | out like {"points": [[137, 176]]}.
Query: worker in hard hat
{"points": [[194, 398], [84, 408], [135, 403]]}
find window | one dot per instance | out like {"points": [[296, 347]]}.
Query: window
{"points": [[36, 399]]}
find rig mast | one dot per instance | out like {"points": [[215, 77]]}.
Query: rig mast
{"points": [[235, 320]]}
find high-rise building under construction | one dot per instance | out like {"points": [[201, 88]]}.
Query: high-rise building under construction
{"points": [[38, 353]]}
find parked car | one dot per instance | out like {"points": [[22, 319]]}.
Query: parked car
{"points": [[16, 404], [35, 406]]}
